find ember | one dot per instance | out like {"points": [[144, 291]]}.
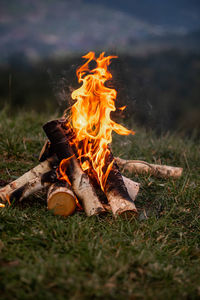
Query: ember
{"points": [[77, 165]]}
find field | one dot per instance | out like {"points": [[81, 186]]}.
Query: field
{"points": [[154, 256]]}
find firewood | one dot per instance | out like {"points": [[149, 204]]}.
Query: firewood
{"points": [[79, 180], [142, 167], [32, 181], [60, 199], [116, 191], [43, 176], [119, 198], [132, 187]]}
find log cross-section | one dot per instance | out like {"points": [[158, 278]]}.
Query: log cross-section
{"points": [[61, 199]]}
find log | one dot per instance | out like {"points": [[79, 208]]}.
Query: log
{"points": [[80, 182], [142, 167], [29, 183], [116, 191], [132, 187], [60, 199]]}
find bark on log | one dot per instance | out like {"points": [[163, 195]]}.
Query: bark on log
{"points": [[116, 191], [142, 167], [29, 183], [132, 187], [60, 199], [79, 180]]}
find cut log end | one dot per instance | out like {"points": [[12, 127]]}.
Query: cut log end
{"points": [[61, 200]]}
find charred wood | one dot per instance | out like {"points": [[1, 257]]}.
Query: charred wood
{"points": [[79, 180], [116, 191]]}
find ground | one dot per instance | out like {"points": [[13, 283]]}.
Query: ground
{"points": [[78, 257]]}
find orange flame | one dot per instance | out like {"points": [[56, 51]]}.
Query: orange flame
{"points": [[122, 108], [90, 115], [2, 205], [61, 174]]}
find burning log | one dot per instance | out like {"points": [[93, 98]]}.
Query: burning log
{"points": [[142, 167], [29, 183], [60, 199], [79, 180], [116, 191]]}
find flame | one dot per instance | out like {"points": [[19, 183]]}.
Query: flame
{"points": [[2, 205], [90, 116], [61, 174], [122, 108]]}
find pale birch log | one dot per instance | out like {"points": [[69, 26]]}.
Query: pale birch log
{"points": [[80, 182], [121, 205], [132, 187], [142, 167], [116, 191], [60, 199], [28, 183], [85, 192]]}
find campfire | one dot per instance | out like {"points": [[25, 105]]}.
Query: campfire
{"points": [[77, 166]]}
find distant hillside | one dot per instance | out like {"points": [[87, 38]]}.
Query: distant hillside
{"points": [[182, 14], [48, 28]]}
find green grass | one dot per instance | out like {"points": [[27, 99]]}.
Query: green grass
{"points": [[48, 257]]}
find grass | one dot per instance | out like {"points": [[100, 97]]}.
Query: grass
{"points": [[77, 257]]}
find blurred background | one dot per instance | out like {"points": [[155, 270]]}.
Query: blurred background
{"points": [[157, 73]]}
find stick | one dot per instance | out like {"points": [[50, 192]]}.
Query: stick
{"points": [[60, 199], [142, 167], [32, 181], [79, 180]]}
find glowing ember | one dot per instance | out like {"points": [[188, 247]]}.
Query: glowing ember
{"points": [[90, 116]]}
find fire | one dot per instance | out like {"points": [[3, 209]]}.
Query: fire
{"points": [[90, 116]]}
